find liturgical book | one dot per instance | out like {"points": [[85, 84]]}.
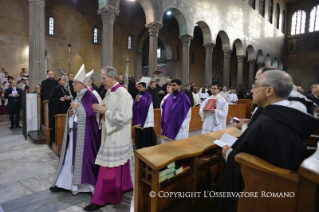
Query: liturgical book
{"points": [[226, 139], [211, 104]]}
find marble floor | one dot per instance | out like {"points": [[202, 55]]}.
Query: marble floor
{"points": [[26, 173]]}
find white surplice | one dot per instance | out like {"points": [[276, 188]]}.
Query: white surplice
{"points": [[149, 121], [116, 140], [225, 95], [233, 99], [203, 96], [214, 121]]}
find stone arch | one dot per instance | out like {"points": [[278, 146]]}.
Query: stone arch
{"points": [[260, 56], [180, 17], [207, 35], [275, 62], [268, 60], [225, 40], [146, 5], [250, 53], [170, 47], [239, 47]]}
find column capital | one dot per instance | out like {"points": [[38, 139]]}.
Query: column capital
{"points": [[186, 39], [240, 58], [153, 28], [39, 1], [251, 62], [138, 53], [209, 47], [227, 52], [108, 14]]}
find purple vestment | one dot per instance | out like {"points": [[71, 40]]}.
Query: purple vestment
{"points": [[174, 112], [92, 141], [140, 109]]}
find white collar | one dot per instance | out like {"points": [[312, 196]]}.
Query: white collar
{"points": [[282, 103]]}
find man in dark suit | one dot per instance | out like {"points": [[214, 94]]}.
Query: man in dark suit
{"points": [[14, 95]]}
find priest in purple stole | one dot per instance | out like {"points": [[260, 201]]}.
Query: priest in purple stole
{"points": [[76, 170], [143, 118], [176, 114], [116, 149]]}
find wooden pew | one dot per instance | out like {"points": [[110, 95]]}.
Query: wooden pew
{"points": [[308, 193], [249, 106], [263, 177], [46, 130], [149, 161], [238, 111], [59, 132]]}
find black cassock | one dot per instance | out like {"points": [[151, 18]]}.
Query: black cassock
{"points": [[47, 87], [155, 97], [190, 96], [279, 136], [71, 89], [56, 106]]}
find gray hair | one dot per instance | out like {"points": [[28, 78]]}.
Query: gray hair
{"points": [[92, 79], [281, 81], [111, 71]]}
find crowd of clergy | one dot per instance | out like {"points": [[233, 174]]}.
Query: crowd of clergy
{"points": [[97, 141]]}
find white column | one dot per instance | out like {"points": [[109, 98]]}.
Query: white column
{"points": [[138, 66], [153, 29], [186, 41], [108, 15], [208, 63], [251, 73], [240, 69], [226, 67], [36, 42]]}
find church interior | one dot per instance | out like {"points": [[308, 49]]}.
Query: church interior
{"points": [[201, 41]]}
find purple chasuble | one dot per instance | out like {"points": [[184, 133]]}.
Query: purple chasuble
{"points": [[174, 113], [140, 109], [92, 141]]}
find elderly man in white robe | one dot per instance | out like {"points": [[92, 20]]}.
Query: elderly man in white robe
{"points": [[169, 91], [214, 118], [116, 149]]}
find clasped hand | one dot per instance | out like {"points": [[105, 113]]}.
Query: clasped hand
{"points": [[75, 105], [99, 108]]}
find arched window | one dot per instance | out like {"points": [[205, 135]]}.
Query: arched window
{"points": [[159, 53], [298, 23], [51, 26], [283, 26], [262, 8], [252, 3], [129, 42], [314, 19], [277, 15], [270, 10], [95, 35]]}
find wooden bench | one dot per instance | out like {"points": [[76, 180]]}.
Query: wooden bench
{"points": [[46, 130], [149, 161], [301, 188]]}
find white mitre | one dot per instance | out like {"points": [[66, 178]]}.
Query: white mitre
{"points": [[83, 77]]}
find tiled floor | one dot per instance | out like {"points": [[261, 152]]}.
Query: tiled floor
{"points": [[26, 172]]}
